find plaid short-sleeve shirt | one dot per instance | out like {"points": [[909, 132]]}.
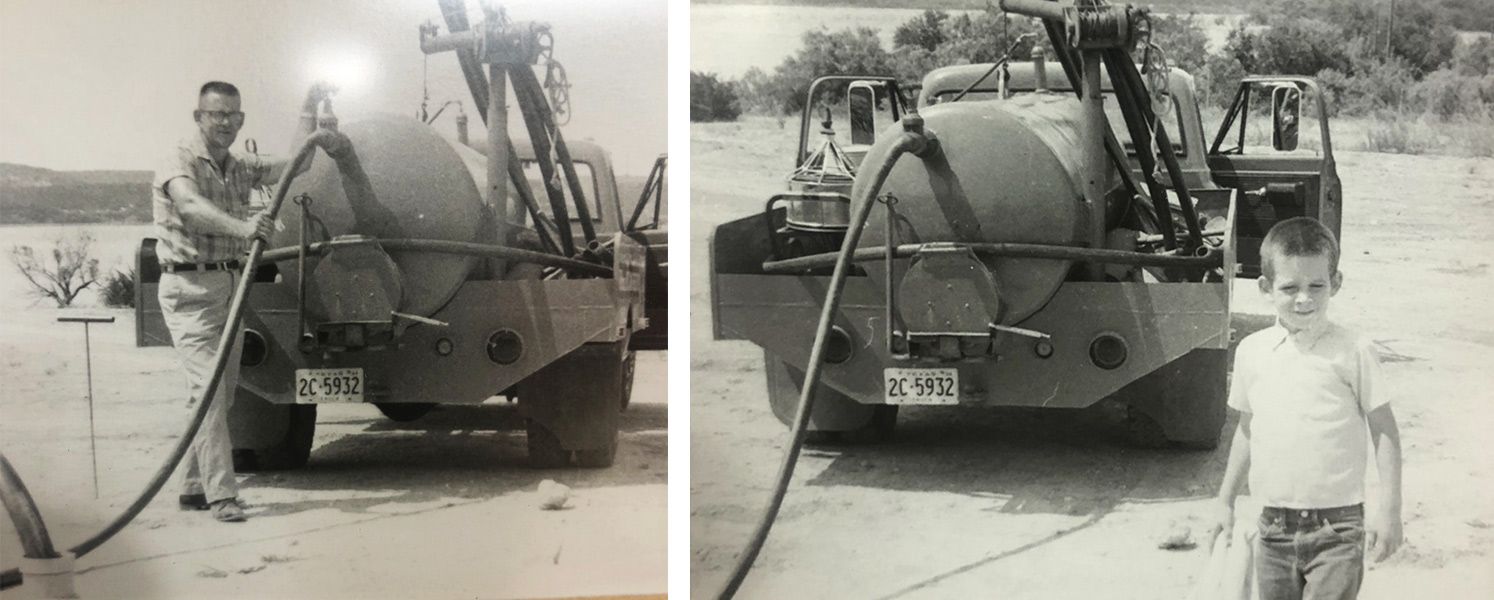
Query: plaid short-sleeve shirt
{"points": [[229, 188]]}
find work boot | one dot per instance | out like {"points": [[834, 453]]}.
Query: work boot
{"points": [[192, 501], [228, 510]]}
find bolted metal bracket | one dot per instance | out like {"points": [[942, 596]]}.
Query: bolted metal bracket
{"points": [[494, 41]]}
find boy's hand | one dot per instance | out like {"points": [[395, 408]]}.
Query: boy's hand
{"points": [[1384, 536], [1222, 513]]}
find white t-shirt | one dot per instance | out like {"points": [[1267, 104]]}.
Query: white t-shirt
{"points": [[1308, 395]]}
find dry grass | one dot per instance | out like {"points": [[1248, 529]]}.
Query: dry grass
{"points": [[1395, 133]]}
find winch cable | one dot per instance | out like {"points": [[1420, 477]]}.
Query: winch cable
{"points": [[235, 314], [914, 140]]}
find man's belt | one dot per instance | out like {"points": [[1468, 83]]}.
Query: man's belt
{"points": [[223, 265]]}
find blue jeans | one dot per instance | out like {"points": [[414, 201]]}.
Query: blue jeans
{"points": [[1310, 554]]}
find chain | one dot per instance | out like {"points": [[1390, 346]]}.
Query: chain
{"points": [[556, 84], [1155, 69]]}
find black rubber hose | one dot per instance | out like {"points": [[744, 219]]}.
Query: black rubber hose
{"points": [[1142, 139], [235, 315], [444, 247], [912, 141], [1124, 76], [1209, 259], [35, 541]]}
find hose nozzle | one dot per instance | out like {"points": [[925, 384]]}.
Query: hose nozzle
{"points": [[327, 119]]}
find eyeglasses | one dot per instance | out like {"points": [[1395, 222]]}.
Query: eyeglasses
{"points": [[222, 116]]}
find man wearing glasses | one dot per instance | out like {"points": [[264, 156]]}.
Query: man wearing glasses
{"points": [[204, 225]]}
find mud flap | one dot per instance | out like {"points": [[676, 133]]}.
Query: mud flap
{"points": [[577, 400], [269, 436], [1181, 403], [833, 411]]}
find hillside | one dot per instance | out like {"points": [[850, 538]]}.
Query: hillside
{"points": [[37, 195]]}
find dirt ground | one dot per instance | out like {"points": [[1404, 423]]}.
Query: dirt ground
{"points": [[442, 507], [972, 503]]}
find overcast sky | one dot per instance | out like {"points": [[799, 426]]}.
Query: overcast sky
{"points": [[109, 84]]}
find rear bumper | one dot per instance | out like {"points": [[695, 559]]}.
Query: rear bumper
{"points": [[1160, 322]]}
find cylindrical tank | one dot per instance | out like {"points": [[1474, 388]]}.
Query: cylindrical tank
{"points": [[1011, 171], [428, 184], [816, 215]]}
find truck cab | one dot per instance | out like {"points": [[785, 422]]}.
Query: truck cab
{"points": [[641, 219]]}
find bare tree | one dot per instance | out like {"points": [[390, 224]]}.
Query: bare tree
{"points": [[70, 271]]}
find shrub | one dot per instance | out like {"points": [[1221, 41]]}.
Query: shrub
{"points": [[758, 92], [70, 271], [1447, 94], [1218, 80], [844, 52], [924, 31], [1475, 58], [119, 289], [1182, 40], [1289, 46], [979, 38], [1398, 133], [1372, 85], [712, 99]]}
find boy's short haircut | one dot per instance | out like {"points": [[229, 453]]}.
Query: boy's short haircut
{"points": [[1298, 236], [219, 87]]}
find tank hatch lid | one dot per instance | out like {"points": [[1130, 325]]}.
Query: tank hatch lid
{"points": [[828, 164]]}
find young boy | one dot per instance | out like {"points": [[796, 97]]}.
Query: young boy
{"points": [[1305, 389]]}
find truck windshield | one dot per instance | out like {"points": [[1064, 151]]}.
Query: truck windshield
{"points": [[1170, 120], [588, 186]]}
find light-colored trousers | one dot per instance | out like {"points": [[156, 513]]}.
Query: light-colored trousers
{"points": [[195, 306]]}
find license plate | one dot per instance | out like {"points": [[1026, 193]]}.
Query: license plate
{"points": [[329, 385], [921, 386]]}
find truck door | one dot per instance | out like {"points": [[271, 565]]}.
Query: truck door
{"points": [[1274, 147], [856, 107], [647, 225]]}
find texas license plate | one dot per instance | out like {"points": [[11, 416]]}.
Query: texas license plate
{"points": [[329, 385], [921, 386]]}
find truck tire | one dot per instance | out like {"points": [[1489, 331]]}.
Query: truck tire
{"points": [[404, 412], [1181, 404], [630, 364], [836, 417], [545, 451], [573, 407], [267, 436], [598, 458]]}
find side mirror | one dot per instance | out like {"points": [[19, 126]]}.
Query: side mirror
{"points": [[1286, 114], [861, 98]]}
